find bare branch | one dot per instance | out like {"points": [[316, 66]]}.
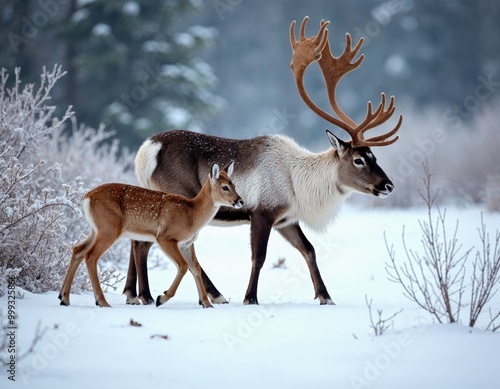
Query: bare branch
{"points": [[381, 325]]}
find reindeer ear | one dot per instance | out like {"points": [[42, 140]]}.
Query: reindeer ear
{"points": [[338, 144], [229, 169], [214, 172]]}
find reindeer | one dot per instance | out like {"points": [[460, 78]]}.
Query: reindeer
{"points": [[172, 221], [283, 184]]}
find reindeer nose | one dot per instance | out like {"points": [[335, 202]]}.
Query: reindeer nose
{"points": [[389, 187], [238, 204]]}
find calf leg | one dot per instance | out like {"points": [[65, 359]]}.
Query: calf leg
{"points": [[102, 242], [195, 269], [212, 292], [172, 251], [297, 239], [76, 259]]}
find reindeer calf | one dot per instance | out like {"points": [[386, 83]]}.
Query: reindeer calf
{"points": [[116, 210]]}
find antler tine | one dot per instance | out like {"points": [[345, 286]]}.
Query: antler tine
{"points": [[323, 36], [303, 28], [380, 116], [293, 40], [352, 52], [379, 140], [373, 119]]}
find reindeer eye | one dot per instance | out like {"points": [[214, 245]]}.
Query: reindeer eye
{"points": [[359, 162], [225, 188]]}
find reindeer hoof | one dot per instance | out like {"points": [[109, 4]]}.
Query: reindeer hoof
{"points": [[328, 301], [147, 300], [251, 301], [220, 300], [133, 301], [158, 301]]}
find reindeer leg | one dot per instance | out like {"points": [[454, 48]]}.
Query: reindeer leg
{"points": [[212, 291], [294, 235], [138, 269], [130, 289], [260, 229]]}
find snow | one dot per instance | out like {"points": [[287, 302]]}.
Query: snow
{"points": [[184, 39], [131, 8], [289, 341], [101, 29]]}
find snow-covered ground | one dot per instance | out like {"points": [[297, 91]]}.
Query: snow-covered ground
{"points": [[289, 341]]}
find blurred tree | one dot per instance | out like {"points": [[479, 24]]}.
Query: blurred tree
{"points": [[131, 65]]}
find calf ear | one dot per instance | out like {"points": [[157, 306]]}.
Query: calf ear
{"points": [[214, 172], [229, 169], [338, 144]]}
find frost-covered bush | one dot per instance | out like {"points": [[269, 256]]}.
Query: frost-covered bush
{"points": [[43, 175]]}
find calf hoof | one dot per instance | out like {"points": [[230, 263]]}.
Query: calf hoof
{"points": [[63, 302], [205, 304], [103, 304]]}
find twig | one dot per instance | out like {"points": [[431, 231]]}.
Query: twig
{"points": [[381, 325]]}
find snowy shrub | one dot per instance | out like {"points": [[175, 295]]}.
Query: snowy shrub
{"points": [[43, 175], [441, 279], [379, 325]]}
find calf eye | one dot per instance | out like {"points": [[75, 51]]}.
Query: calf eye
{"points": [[359, 162], [225, 188]]}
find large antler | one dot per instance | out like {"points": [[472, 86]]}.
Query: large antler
{"points": [[308, 50]]}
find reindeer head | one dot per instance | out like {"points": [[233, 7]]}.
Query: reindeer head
{"points": [[359, 170]]}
